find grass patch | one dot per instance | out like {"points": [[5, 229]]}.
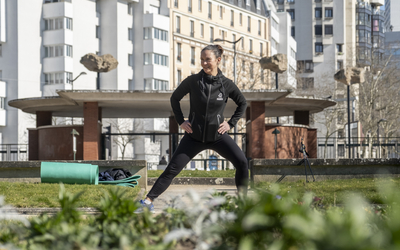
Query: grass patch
{"points": [[195, 173], [336, 191], [46, 194]]}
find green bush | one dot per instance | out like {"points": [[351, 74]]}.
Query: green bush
{"points": [[263, 220]]}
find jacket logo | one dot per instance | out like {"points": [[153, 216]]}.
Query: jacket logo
{"points": [[220, 97]]}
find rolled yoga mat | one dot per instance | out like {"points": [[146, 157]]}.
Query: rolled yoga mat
{"points": [[71, 173]]}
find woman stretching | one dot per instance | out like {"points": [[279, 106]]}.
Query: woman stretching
{"points": [[206, 128]]}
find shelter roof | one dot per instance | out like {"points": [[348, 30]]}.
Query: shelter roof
{"points": [[156, 104]]}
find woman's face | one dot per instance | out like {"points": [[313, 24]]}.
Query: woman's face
{"points": [[209, 62]]}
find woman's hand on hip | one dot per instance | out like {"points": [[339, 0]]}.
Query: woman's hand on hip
{"points": [[224, 127], [187, 127]]}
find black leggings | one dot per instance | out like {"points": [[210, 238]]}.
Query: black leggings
{"points": [[189, 148]]}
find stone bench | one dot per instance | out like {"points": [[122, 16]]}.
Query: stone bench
{"points": [[29, 171], [272, 170]]}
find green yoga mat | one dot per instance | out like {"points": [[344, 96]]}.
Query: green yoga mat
{"points": [[79, 173], [71, 173]]}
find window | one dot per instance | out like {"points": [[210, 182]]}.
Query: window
{"points": [[158, 84], [240, 19], [339, 64], [1, 50], [318, 30], [259, 27], [179, 76], [192, 56], [262, 75], [292, 71], [329, 12], [318, 13], [243, 66], [178, 24], [160, 59], [232, 18], [202, 30], [328, 29], [130, 34], [160, 34], [242, 43], [98, 32], [200, 5], [319, 48], [223, 35], [233, 40], [292, 53], [248, 23], [274, 44], [150, 58], [1, 75], [154, 9], [221, 11], [191, 28], [209, 10], [339, 47], [179, 52], [176, 3], [57, 78], [223, 62], [275, 24], [58, 23], [129, 9], [309, 66], [291, 13], [68, 50], [261, 49], [290, 1], [211, 34], [2, 102], [251, 70], [305, 83], [251, 46], [190, 5], [130, 59], [292, 31]]}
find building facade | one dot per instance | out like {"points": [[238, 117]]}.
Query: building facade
{"points": [[198, 23], [331, 35], [392, 15]]}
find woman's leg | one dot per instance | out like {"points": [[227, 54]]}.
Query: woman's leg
{"points": [[227, 148], [187, 149]]}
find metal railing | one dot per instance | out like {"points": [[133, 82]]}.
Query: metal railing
{"points": [[13, 152], [360, 147]]}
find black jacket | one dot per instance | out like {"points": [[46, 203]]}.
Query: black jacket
{"points": [[208, 98]]}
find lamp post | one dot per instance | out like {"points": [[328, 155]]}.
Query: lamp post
{"points": [[72, 81], [234, 69], [379, 144]]}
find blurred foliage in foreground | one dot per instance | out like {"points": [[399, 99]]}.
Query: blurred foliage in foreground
{"points": [[265, 219]]}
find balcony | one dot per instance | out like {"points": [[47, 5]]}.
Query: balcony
{"points": [[156, 46], [156, 71], [51, 37], [58, 9], [58, 64]]}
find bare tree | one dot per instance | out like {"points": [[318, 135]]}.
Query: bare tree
{"points": [[121, 126]]}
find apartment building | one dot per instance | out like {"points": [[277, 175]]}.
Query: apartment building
{"points": [[198, 23], [331, 35], [392, 15], [42, 42]]}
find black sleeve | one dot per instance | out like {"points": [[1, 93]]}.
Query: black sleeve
{"points": [[236, 95], [177, 95]]}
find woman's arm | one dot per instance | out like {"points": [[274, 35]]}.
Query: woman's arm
{"points": [[177, 96], [236, 95]]}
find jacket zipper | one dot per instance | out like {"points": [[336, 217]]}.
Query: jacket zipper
{"points": [[205, 120], [191, 122]]}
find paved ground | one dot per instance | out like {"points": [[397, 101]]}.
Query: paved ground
{"points": [[179, 191]]}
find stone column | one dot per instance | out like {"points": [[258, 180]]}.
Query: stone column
{"points": [[302, 117], [256, 130], [91, 131], [43, 118], [173, 137]]}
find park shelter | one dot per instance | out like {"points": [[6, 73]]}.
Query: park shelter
{"points": [[48, 142]]}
